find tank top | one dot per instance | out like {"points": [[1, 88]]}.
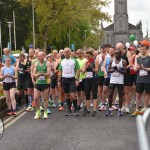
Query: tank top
{"points": [[41, 69], [116, 77], [22, 74], [10, 71], [89, 71]]}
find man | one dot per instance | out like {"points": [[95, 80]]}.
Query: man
{"points": [[109, 57], [126, 55], [42, 74], [117, 68], [80, 89], [29, 82], [7, 54], [143, 78], [68, 69], [22, 77]]}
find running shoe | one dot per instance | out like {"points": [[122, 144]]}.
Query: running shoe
{"points": [[109, 113], [69, 113], [94, 113], [123, 109], [76, 112], [127, 110], [59, 105], [142, 111], [14, 113], [45, 116], [114, 108], [102, 108], [100, 105], [29, 108], [135, 113], [53, 105], [41, 108], [79, 108], [37, 116], [120, 113], [48, 111], [86, 112], [61, 108], [82, 105], [9, 113], [91, 104]]}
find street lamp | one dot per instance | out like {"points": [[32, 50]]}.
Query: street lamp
{"points": [[9, 26], [33, 19]]}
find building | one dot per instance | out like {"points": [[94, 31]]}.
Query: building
{"points": [[121, 29]]}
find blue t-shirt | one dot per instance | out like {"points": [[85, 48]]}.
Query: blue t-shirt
{"points": [[13, 60]]}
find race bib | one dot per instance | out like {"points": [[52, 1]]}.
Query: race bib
{"points": [[21, 71], [80, 80], [89, 75], [67, 71], [41, 78], [8, 80], [116, 74], [143, 72]]}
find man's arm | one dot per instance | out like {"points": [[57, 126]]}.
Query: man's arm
{"points": [[110, 69], [129, 60], [124, 69]]}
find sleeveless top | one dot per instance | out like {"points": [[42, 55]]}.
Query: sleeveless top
{"points": [[116, 77], [22, 74], [10, 71], [89, 71], [42, 69]]}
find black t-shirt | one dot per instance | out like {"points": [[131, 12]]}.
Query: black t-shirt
{"points": [[143, 76]]}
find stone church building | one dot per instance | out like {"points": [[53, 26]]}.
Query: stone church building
{"points": [[121, 29]]}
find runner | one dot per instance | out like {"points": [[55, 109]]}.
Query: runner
{"points": [[22, 76], [42, 74], [9, 74], [29, 83], [91, 69], [81, 88], [109, 57], [143, 78], [126, 55], [117, 68], [67, 69]]}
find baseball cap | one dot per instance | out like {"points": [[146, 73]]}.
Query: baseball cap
{"points": [[132, 48], [103, 46], [145, 42]]}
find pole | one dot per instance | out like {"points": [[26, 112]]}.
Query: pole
{"points": [[1, 38], [9, 26], [69, 36], [14, 30], [33, 18]]}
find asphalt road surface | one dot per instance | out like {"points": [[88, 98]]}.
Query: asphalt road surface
{"points": [[69, 133]]}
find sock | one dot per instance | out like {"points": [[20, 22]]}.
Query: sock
{"points": [[19, 99], [75, 104], [62, 104], [68, 104], [26, 100], [30, 100]]}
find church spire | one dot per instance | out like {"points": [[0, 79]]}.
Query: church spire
{"points": [[120, 6]]}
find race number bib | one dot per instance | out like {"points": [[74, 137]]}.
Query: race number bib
{"points": [[89, 75], [67, 71], [143, 72], [116, 74], [41, 78], [8, 80]]}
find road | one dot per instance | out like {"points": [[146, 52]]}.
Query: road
{"points": [[69, 133]]}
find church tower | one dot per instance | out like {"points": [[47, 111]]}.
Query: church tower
{"points": [[121, 20]]}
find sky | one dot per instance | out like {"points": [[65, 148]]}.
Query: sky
{"points": [[137, 10]]}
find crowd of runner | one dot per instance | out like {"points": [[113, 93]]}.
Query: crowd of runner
{"points": [[111, 79]]}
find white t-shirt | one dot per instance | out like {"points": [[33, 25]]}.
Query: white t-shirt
{"points": [[68, 67]]}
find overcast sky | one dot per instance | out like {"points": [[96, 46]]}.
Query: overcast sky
{"points": [[137, 10]]}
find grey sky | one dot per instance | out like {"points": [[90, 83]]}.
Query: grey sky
{"points": [[137, 10]]}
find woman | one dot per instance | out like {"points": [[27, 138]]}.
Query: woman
{"points": [[8, 75], [91, 85]]}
